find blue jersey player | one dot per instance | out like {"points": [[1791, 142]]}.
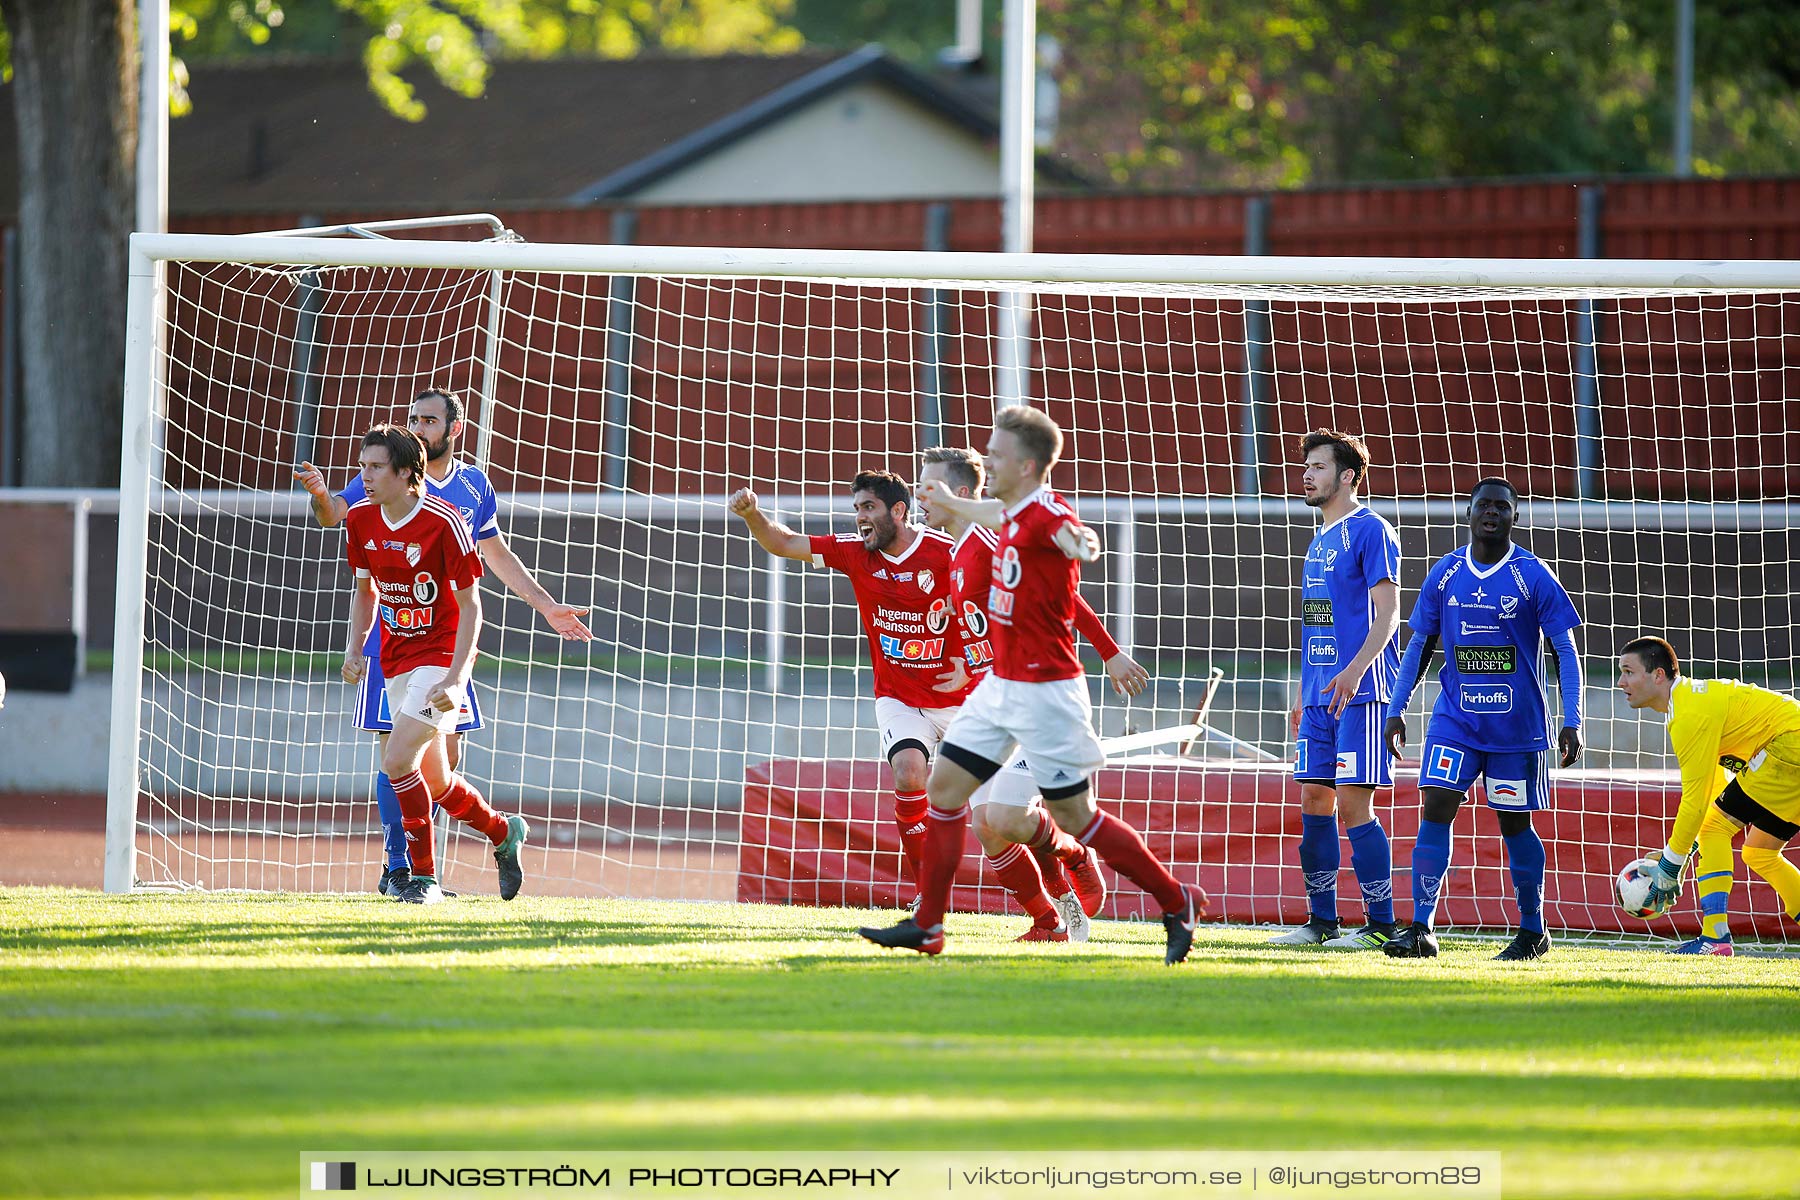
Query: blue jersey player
{"points": [[1349, 657], [436, 416], [1491, 605]]}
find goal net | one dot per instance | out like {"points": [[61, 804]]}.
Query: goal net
{"points": [[716, 740]]}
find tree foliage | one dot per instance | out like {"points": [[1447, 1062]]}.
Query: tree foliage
{"points": [[458, 39], [74, 89], [1290, 92]]}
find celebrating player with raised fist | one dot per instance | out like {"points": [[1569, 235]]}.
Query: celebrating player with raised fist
{"points": [[901, 576], [1035, 699]]}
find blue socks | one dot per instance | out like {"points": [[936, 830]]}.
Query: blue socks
{"points": [[1371, 856], [1430, 863], [1373, 860], [1319, 862], [393, 833], [1525, 856]]}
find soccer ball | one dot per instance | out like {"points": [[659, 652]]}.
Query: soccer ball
{"points": [[1632, 890]]}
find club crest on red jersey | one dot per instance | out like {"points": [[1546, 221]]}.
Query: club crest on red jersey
{"points": [[937, 617], [927, 582], [412, 554]]}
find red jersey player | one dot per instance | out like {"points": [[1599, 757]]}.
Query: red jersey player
{"points": [[1035, 698], [901, 576], [1007, 813], [416, 568]]}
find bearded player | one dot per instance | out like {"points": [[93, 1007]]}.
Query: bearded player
{"points": [[900, 574], [416, 567], [1007, 812], [1036, 697]]}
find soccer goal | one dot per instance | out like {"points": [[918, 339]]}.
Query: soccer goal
{"points": [[716, 740]]}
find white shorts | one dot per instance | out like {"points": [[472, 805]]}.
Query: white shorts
{"points": [[406, 694], [901, 722], [1011, 786], [1053, 723]]}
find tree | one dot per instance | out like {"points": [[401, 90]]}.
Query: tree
{"points": [[74, 69], [75, 95], [1288, 92]]}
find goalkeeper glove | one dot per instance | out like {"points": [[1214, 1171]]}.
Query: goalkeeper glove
{"points": [[1665, 881]]}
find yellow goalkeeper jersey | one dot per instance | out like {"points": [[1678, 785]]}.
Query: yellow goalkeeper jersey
{"points": [[1714, 718]]}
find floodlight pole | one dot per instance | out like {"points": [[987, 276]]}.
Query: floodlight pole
{"points": [[153, 118], [1018, 152], [1684, 88]]}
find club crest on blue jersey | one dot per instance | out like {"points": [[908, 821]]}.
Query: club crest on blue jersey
{"points": [[1344, 563], [1493, 622]]}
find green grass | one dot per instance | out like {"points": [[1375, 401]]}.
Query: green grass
{"points": [[155, 1042]]}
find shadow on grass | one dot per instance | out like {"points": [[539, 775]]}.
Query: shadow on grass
{"points": [[487, 929]]}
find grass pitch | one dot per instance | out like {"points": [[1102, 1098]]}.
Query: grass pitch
{"points": [[186, 1045]]}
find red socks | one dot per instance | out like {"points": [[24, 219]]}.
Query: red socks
{"points": [[1018, 871], [1052, 848], [466, 804], [460, 800], [940, 856], [909, 816], [415, 819], [1125, 852]]}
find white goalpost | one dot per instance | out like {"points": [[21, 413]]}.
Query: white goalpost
{"points": [[716, 741]]}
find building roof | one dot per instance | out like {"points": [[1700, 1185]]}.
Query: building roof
{"points": [[272, 134]]}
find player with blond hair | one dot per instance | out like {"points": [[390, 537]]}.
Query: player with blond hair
{"points": [[1035, 698], [1007, 812]]}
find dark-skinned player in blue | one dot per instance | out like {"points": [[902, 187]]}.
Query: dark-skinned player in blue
{"points": [[1492, 605]]}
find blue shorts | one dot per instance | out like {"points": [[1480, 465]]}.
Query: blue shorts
{"points": [[1344, 751], [372, 703], [1517, 780]]}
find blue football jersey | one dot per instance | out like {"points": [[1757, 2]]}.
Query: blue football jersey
{"points": [[1345, 560], [466, 489], [1491, 623]]}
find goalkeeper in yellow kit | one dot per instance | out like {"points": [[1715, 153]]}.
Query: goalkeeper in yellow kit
{"points": [[1715, 725]]}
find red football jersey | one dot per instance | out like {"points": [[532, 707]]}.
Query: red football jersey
{"points": [[907, 609], [971, 574], [415, 564], [1031, 602], [972, 571]]}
